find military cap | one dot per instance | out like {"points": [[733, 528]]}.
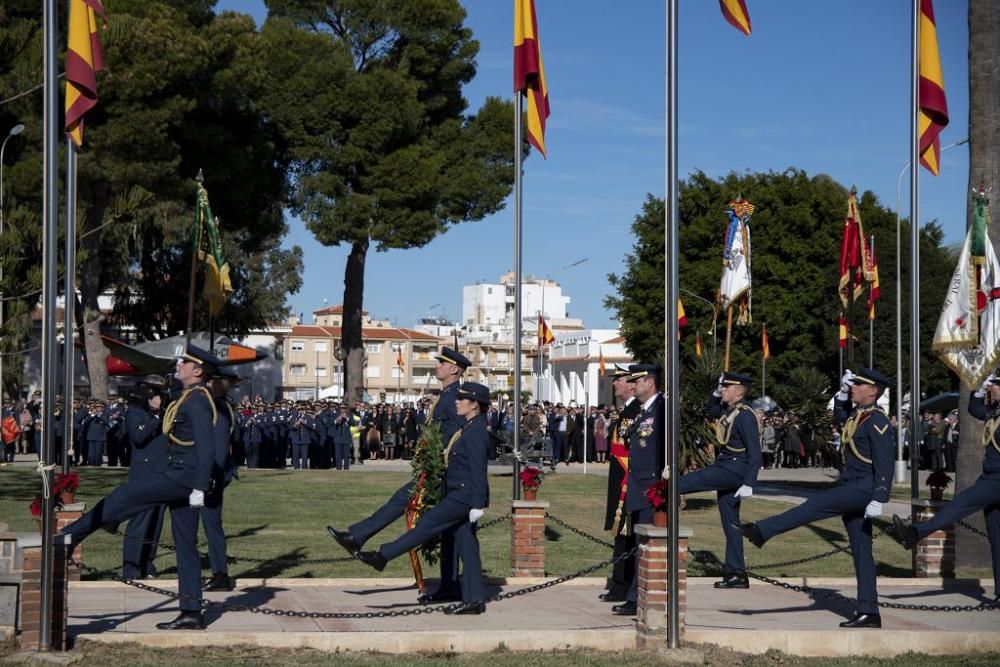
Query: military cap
{"points": [[208, 361], [636, 371], [619, 371], [453, 357], [871, 376], [732, 379], [476, 392]]}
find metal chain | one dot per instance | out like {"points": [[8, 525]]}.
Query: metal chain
{"points": [[972, 529], [579, 532]]}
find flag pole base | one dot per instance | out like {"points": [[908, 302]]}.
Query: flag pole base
{"points": [[902, 475]]}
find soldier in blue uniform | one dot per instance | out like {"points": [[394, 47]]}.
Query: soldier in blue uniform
{"points": [[865, 483], [149, 452], [646, 460], [188, 424], [253, 436], [734, 472], [340, 434], [299, 436], [983, 495], [467, 494], [451, 365]]}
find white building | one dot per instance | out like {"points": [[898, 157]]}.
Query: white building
{"points": [[571, 368], [492, 304]]}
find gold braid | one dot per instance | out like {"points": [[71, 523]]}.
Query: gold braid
{"points": [[170, 414]]}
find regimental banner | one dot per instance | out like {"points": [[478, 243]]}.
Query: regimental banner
{"points": [[735, 287]]}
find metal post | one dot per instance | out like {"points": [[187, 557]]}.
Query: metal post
{"points": [[900, 472], [518, 145], [914, 253], [586, 413], [871, 322], [671, 347], [50, 224], [69, 306]]}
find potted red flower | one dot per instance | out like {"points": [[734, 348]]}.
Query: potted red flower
{"points": [[659, 496], [938, 481], [65, 486], [36, 510], [531, 479]]}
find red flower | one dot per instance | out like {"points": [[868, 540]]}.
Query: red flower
{"points": [[36, 507], [531, 478], [659, 495], [66, 482]]}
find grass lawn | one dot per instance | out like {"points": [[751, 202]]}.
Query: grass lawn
{"points": [[281, 516]]}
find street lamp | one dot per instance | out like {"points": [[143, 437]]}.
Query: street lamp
{"points": [[715, 315], [900, 472], [14, 131]]}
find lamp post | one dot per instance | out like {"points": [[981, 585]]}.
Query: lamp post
{"points": [[715, 314], [900, 471], [14, 131]]}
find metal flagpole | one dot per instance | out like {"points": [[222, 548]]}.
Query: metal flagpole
{"points": [[914, 255], [871, 322], [586, 415], [671, 344], [50, 223], [69, 307], [518, 144]]}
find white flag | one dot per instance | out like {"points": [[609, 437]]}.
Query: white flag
{"points": [[968, 332], [735, 284]]}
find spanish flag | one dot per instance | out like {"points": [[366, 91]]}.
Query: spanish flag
{"points": [[600, 366], [931, 98], [735, 12], [682, 318], [399, 359], [529, 75], [764, 346], [545, 336], [83, 61], [843, 332], [874, 291]]}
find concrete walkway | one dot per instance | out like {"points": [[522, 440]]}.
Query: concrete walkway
{"points": [[565, 616]]}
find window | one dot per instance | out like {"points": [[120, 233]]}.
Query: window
{"points": [[319, 346], [374, 348], [298, 370], [397, 372], [374, 372], [321, 372], [489, 290], [395, 347], [298, 345]]}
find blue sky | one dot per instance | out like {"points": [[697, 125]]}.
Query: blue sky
{"points": [[820, 86]]}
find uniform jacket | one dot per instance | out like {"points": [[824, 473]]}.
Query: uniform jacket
{"points": [[223, 469], [444, 412], [340, 430], [991, 457], [616, 472], [741, 453], [646, 455], [96, 428], [191, 455], [868, 464], [465, 476], [149, 447]]}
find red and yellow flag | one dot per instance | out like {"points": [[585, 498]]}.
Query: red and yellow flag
{"points": [[874, 291], [400, 364], [601, 369], [697, 345], [735, 12], [843, 332], [764, 346], [682, 318], [83, 61], [931, 98], [855, 259], [529, 75], [545, 336]]}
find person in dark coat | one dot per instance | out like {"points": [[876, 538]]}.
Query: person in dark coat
{"points": [[149, 454], [96, 434], [983, 495], [340, 432], [467, 494], [865, 484]]}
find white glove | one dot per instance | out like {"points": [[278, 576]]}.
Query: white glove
{"points": [[985, 387], [475, 514], [743, 492], [873, 510], [845, 384], [718, 387], [197, 498]]}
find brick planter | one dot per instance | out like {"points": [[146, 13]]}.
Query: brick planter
{"points": [[935, 554], [654, 573], [31, 595], [527, 538]]}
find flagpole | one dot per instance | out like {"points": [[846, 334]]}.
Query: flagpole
{"points": [[586, 413], [729, 335], [871, 322], [518, 143], [69, 306], [671, 342], [50, 222], [200, 178], [914, 255]]}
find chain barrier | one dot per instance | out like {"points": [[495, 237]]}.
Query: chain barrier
{"points": [[972, 529], [559, 522]]}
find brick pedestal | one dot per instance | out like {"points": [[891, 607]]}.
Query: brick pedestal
{"points": [[64, 517], [935, 556], [527, 538], [31, 595], [654, 572]]}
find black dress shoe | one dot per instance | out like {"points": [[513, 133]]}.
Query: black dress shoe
{"points": [[345, 539], [467, 608], [752, 533], [438, 597], [907, 534], [611, 596], [372, 558], [188, 620], [734, 581], [220, 581], [863, 621], [625, 609]]}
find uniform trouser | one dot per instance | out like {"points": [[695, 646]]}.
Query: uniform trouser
{"points": [[558, 446], [342, 455], [983, 495], [253, 452], [95, 452], [624, 570], [645, 515], [724, 482], [300, 456], [142, 534], [849, 503], [131, 498], [215, 534], [8, 451]]}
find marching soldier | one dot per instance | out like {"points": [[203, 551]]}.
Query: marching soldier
{"points": [[149, 453], [864, 486], [624, 570], [983, 495]]}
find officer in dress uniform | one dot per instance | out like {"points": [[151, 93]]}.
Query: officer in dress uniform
{"points": [[734, 472], [868, 448], [451, 365], [467, 494], [983, 495], [299, 435], [149, 452], [624, 569], [188, 424], [646, 460]]}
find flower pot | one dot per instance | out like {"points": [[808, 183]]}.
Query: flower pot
{"points": [[660, 518], [530, 494], [67, 497]]}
